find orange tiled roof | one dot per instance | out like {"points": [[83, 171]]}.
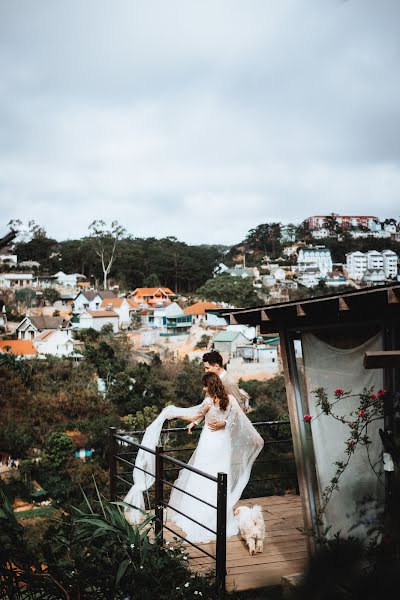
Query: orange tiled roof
{"points": [[199, 308], [18, 347], [115, 302], [102, 313], [152, 291]]}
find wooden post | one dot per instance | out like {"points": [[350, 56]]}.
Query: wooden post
{"points": [[220, 567], [159, 495], [113, 464]]}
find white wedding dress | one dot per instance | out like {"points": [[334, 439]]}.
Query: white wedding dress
{"points": [[212, 456], [231, 450]]}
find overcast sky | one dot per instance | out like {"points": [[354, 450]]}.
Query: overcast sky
{"points": [[197, 118]]}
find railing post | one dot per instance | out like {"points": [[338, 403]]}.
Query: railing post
{"points": [[159, 495], [113, 464], [220, 567]]}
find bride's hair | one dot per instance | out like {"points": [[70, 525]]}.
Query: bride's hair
{"points": [[215, 389]]}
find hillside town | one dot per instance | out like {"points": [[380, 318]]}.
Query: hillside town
{"points": [[43, 313]]}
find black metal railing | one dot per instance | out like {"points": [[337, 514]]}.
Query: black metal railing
{"points": [[273, 473], [160, 500]]}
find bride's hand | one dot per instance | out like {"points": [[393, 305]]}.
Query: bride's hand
{"points": [[190, 427], [215, 425]]}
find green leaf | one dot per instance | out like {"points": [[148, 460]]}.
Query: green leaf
{"points": [[121, 570]]}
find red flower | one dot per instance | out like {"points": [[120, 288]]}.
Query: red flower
{"points": [[350, 444], [361, 413], [339, 392], [381, 393], [307, 418], [373, 396]]}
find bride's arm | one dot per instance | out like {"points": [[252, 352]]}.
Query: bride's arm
{"points": [[203, 409]]}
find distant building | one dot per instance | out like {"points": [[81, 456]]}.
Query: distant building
{"points": [[122, 307], [316, 258], [32, 327], [87, 300], [69, 281], [56, 343], [199, 310], [96, 319], [357, 263], [227, 342], [153, 295], [345, 221], [9, 259], [12, 280], [374, 276], [20, 348]]}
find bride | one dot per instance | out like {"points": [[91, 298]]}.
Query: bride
{"points": [[228, 444]]}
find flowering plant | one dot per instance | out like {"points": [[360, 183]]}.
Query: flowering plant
{"points": [[368, 409]]}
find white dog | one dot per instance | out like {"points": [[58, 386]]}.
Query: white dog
{"points": [[251, 526]]}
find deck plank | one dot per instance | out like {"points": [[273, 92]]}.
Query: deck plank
{"points": [[285, 548]]}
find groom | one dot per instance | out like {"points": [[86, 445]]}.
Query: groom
{"points": [[213, 363]]}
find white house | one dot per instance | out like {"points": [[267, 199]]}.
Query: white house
{"points": [[319, 234], [310, 277], [318, 258], [31, 327], [55, 342], [244, 272], [90, 300], [170, 319], [227, 342], [68, 281], [96, 319], [10, 280], [374, 276], [9, 259], [122, 307]]}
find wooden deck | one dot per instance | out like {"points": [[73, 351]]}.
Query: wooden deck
{"points": [[285, 551]]}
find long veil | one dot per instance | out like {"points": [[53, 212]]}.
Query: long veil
{"points": [[246, 444]]}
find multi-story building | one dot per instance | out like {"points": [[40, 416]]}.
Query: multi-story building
{"points": [[317, 258], [358, 263], [390, 263], [345, 221], [374, 260]]}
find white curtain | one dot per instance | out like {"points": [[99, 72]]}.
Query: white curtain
{"points": [[331, 368]]}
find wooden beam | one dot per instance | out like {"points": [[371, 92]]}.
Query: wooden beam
{"points": [[232, 320], [382, 360], [299, 310], [264, 316], [392, 297], [343, 304]]}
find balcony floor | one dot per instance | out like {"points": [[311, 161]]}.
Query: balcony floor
{"points": [[285, 548]]}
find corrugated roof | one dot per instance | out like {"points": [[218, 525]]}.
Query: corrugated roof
{"points": [[226, 336]]}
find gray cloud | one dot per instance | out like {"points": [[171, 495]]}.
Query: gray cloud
{"points": [[198, 120]]}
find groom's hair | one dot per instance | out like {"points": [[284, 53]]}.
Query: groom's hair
{"points": [[213, 358]]}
